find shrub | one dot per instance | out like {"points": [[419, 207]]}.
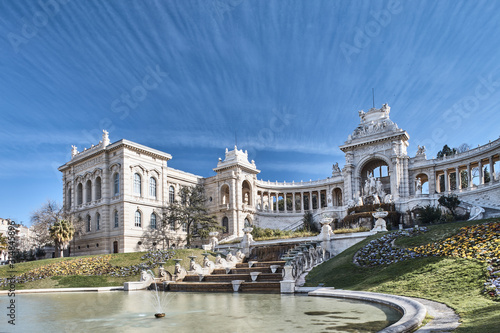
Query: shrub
{"points": [[429, 214], [451, 202]]}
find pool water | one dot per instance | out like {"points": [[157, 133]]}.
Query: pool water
{"points": [[195, 312]]}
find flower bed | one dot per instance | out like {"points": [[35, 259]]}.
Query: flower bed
{"points": [[380, 251], [90, 266], [479, 242]]}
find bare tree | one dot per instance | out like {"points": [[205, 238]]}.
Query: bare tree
{"points": [[42, 219], [46, 216], [463, 148]]}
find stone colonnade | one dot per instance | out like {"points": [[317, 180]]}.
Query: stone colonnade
{"points": [[301, 200], [467, 171]]}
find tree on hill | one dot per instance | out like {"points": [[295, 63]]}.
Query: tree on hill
{"points": [[446, 151], [450, 201], [62, 233], [191, 214], [463, 148]]}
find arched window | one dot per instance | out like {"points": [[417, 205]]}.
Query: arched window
{"points": [[137, 218], [225, 224], [171, 194], [224, 191], [117, 219], [68, 199], [88, 191], [116, 179], [152, 187], [79, 194], [153, 221], [184, 227], [245, 190], [97, 221], [88, 223], [98, 188], [137, 184]]}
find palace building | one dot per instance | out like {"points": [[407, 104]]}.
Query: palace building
{"points": [[120, 189]]}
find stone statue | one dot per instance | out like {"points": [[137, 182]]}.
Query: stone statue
{"points": [[380, 190], [420, 150], [360, 201], [74, 151], [376, 199], [388, 199], [335, 168], [373, 185], [418, 186], [367, 187]]}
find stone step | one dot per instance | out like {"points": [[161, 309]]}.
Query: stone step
{"points": [[229, 277], [201, 286], [245, 270], [224, 286]]}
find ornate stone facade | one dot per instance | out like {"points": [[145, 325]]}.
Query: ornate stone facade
{"points": [[377, 169]]}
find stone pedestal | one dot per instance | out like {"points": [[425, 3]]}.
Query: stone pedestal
{"points": [[326, 230], [247, 240], [380, 224]]}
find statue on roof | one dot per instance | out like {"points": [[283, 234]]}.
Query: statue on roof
{"points": [[74, 151]]}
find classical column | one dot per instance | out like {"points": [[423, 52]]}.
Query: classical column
{"points": [[293, 202], [270, 202], [262, 201], [481, 178], [457, 178], [284, 202], [469, 178], [446, 181], [302, 202], [492, 169], [310, 200]]}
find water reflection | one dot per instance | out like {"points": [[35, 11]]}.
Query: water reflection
{"points": [[196, 312]]}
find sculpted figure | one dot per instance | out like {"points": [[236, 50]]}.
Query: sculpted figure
{"points": [[74, 151], [373, 185], [380, 190], [388, 199], [367, 187]]}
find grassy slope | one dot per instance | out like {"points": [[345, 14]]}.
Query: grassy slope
{"points": [[75, 281], [455, 282]]}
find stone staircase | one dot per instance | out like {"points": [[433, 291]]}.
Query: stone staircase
{"points": [[222, 279]]}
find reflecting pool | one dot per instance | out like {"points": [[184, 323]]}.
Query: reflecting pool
{"points": [[196, 312]]}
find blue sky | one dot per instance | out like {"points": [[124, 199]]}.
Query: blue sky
{"points": [[286, 78]]}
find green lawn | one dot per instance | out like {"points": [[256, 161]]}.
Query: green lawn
{"points": [[76, 281], [453, 281]]}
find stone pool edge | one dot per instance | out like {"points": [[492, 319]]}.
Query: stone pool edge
{"points": [[413, 312], [63, 290]]}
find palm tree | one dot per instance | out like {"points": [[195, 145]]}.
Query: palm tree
{"points": [[3, 245], [62, 233]]}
